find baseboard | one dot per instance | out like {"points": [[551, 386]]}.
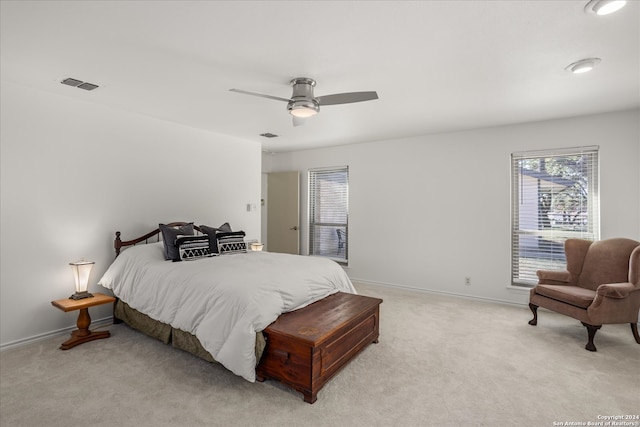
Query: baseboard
{"points": [[433, 291], [106, 321], [95, 324]]}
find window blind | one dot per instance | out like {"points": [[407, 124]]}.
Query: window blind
{"points": [[554, 197], [329, 213]]}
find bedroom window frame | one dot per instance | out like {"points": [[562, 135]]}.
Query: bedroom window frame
{"points": [[538, 226], [329, 244]]}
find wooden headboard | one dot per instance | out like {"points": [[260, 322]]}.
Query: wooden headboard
{"points": [[118, 243]]}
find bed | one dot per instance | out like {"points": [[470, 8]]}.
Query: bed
{"points": [[214, 306]]}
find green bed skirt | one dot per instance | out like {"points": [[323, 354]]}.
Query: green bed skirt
{"points": [[168, 335]]}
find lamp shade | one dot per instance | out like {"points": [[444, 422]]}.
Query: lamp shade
{"points": [[81, 271]]}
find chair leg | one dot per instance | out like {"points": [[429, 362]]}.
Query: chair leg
{"points": [[634, 330], [534, 310], [591, 330]]}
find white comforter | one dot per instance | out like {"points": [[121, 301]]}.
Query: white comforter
{"points": [[223, 300]]}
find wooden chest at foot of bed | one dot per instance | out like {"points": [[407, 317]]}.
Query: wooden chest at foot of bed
{"points": [[306, 347]]}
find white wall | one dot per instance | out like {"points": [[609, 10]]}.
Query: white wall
{"points": [[428, 211], [73, 173]]}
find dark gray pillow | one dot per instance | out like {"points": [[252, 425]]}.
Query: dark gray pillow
{"points": [[169, 235], [211, 232]]}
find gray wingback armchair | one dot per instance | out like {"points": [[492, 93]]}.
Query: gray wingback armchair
{"points": [[600, 285]]}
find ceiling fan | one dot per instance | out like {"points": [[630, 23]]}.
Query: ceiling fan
{"points": [[304, 104]]}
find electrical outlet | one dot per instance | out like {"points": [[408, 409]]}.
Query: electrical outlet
{"points": [[467, 281]]}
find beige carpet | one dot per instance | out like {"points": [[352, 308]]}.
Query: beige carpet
{"points": [[441, 361]]}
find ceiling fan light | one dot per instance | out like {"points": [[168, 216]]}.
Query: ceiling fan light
{"points": [[303, 112], [604, 7], [583, 66], [303, 108]]}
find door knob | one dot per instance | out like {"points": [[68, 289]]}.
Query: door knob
{"points": [[295, 228]]}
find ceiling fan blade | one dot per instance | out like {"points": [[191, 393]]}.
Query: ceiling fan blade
{"points": [[346, 98], [298, 121], [260, 95]]}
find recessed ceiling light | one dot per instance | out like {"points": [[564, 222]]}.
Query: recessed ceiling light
{"points": [[604, 7], [269, 135], [583, 65]]}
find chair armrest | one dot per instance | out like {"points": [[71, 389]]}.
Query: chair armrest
{"points": [[615, 290], [549, 277]]}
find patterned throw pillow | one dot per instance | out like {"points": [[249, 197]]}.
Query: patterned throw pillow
{"points": [[193, 247], [231, 242]]}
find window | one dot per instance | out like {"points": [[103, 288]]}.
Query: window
{"points": [[554, 197], [329, 213]]}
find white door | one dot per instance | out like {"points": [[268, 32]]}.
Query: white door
{"points": [[283, 212]]}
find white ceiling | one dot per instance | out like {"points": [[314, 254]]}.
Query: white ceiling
{"points": [[438, 66]]}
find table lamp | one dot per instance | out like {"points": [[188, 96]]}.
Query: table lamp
{"points": [[81, 270]]}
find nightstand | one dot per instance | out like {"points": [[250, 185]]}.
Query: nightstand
{"points": [[82, 334]]}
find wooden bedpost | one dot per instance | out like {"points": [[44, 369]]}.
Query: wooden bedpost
{"points": [[116, 319], [117, 243]]}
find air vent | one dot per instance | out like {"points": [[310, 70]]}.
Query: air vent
{"points": [[79, 84], [71, 82], [269, 135], [87, 86]]}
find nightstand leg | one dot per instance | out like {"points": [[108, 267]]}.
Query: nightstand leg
{"points": [[83, 334], [84, 320]]}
